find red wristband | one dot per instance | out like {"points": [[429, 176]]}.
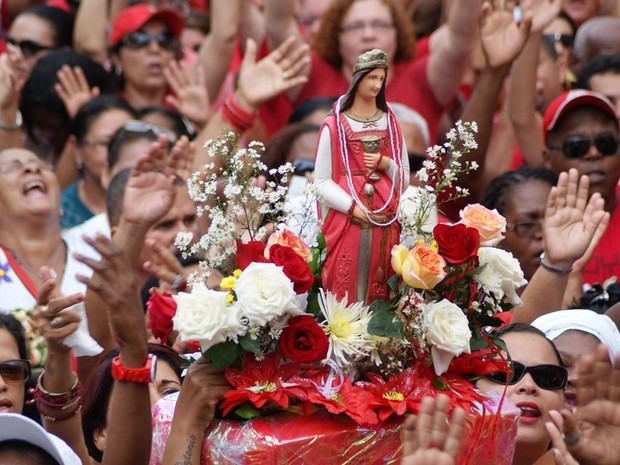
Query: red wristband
{"points": [[145, 374]]}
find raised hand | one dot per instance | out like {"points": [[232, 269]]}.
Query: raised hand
{"points": [[8, 86], [571, 220], [501, 37], [425, 439], [151, 188], [190, 98], [53, 317], [591, 432], [114, 281], [73, 89], [278, 72], [542, 12]]}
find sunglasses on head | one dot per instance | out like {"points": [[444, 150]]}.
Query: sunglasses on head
{"points": [[15, 371], [577, 147], [548, 377], [140, 39], [29, 48]]}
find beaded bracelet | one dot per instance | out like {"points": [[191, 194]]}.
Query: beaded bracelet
{"points": [[552, 269], [240, 119]]}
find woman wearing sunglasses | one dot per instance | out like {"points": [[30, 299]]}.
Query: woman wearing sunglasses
{"points": [[15, 373], [536, 386], [143, 42]]}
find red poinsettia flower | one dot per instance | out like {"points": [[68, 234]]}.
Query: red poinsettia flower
{"points": [[262, 381], [161, 308], [253, 251], [346, 398], [479, 363], [393, 395]]}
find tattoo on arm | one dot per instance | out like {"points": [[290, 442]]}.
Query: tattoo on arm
{"points": [[189, 452]]}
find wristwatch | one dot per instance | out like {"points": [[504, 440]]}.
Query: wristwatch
{"points": [[145, 374]]}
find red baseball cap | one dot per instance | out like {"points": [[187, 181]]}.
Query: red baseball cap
{"points": [[574, 99], [132, 18]]}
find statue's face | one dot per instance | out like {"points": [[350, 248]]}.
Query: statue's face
{"points": [[370, 86], [367, 25]]}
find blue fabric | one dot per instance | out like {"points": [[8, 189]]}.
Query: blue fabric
{"points": [[74, 210]]}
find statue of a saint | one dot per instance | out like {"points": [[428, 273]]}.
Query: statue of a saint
{"points": [[361, 171]]}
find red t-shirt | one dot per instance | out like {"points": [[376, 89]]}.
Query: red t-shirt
{"points": [[605, 261]]}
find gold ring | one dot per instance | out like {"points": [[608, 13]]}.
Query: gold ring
{"points": [[286, 75]]}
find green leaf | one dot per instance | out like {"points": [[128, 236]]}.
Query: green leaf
{"points": [[384, 321], [393, 283], [320, 239], [379, 306], [223, 355], [247, 411], [313, 306], [478, 343], [440, 384], [249, 345]]}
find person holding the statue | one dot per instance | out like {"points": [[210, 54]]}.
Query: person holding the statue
{"points": [[361, 171]]}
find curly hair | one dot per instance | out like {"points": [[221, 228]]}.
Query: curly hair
{"points": [[327, 38]]}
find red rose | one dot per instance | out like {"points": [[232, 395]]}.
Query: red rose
{"points": [[294, 267], [457, 243], [303, 340], [161, 308], [251, 252]]}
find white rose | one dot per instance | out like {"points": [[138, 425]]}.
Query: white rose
{"points": [[501, 276], [205, 316], [447, 331], [264, 292]]}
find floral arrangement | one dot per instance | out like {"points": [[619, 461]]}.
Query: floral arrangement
{"points": [[37, 345], [288, 344]]}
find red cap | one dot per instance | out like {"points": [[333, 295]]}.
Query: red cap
{"points": [[132, 18], [574, 99]]}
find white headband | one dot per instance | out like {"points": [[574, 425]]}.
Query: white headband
{"points": [[600, 326]]}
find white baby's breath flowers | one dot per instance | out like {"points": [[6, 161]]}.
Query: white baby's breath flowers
{"points": [[236, 198]]}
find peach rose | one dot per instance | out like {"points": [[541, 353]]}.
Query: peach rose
{"points": [[423, 268], [289, 239], [399, 254], [489, 223]]}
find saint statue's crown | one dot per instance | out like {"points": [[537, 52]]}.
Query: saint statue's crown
{"points": [[372, 59]]}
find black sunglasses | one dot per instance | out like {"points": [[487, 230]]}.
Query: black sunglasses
{"points": [[548, 377], [16, 371], [566, 40], [577, 147], [140, 39], [29, 48]]}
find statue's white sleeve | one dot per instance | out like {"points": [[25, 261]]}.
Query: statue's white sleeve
{"points": [[332, 195], [392, 169]]}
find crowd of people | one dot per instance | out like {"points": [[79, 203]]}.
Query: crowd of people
{"points": [[105, 107]]}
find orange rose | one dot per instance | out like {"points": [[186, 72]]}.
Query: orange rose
{"points": [[489, 223], [289, 239], [423, 268]]}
